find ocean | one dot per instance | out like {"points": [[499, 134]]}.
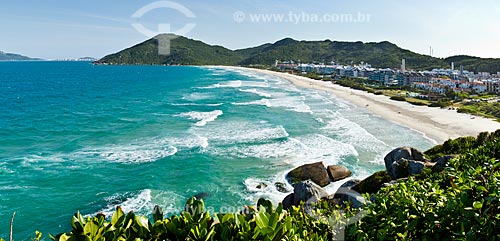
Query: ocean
{"points": [[74, 136]]}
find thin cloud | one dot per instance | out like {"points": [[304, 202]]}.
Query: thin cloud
{"points": [[111, 19]]}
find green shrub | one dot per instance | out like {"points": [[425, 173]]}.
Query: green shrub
{"points": [[461, 203], [398, 98], [462, 145], [418, 103], [263, 223], [440, 104], [489, 110]]}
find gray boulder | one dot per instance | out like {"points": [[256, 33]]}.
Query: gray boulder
{"points": [[288, 201], [415, 167], [281, 187], [202, 195], [338, 173], [315, 172], [404, 161], [261, 185], [346, 193], [349, 195], [441, 163], [404, 168], [308, 192]]}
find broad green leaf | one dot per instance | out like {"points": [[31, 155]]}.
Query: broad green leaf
{"points": [[477, 205], [118, 217], [143, 222]]}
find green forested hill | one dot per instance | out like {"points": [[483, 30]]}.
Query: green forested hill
{"points": [[380, 55], [475, 64], [186, 51]]}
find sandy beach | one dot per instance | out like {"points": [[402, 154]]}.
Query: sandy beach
{"points": [[435, 123]]}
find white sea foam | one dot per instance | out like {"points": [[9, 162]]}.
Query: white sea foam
{"points": [[203, 141], [353, 133], [295, 151], [135, 203], [138, 152], [138, 155], [195, 96], [291, 103], [237, 84], [48, 163], [253, 183], [142, 202], [135, 152], [196, 104], [255, 75], [15, 187], [234, 132], [257, 92], [6, 170], [319, 147], [288, 102], [187, 142], [268, 191], [282, 149], [218, 71], [202, 117]]}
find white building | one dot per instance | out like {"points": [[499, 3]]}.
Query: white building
{"points": [[492, 85]]}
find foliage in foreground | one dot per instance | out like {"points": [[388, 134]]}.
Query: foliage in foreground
{"points": [[460, 203], [264, 223]]}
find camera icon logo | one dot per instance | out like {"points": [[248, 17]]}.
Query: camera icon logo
{"points": [[163, 39]]}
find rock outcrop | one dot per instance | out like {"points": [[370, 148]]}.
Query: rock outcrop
{"points": [[202, 195], [288, 201], [373, 183], [315, 172], [404, 161], [307, 192], [441, 163], [346, 193], [338, 173], [281, 187], [349, 195]]}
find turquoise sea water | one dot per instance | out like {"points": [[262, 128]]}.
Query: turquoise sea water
{"points": [[74, 136]]}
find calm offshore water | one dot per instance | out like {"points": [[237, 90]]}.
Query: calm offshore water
{"points": [[74, 136]]}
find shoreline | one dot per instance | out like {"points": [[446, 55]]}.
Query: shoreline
{"points": [[434, 123]]}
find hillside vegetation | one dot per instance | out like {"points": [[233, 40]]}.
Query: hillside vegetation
{"points": [[462, 202], [475, 64], [186, 51]]}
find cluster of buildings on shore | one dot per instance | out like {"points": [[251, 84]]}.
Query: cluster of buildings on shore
{"points": [[437, 81]]}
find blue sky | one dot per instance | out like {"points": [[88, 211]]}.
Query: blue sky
{"points": [[67, 29]]}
